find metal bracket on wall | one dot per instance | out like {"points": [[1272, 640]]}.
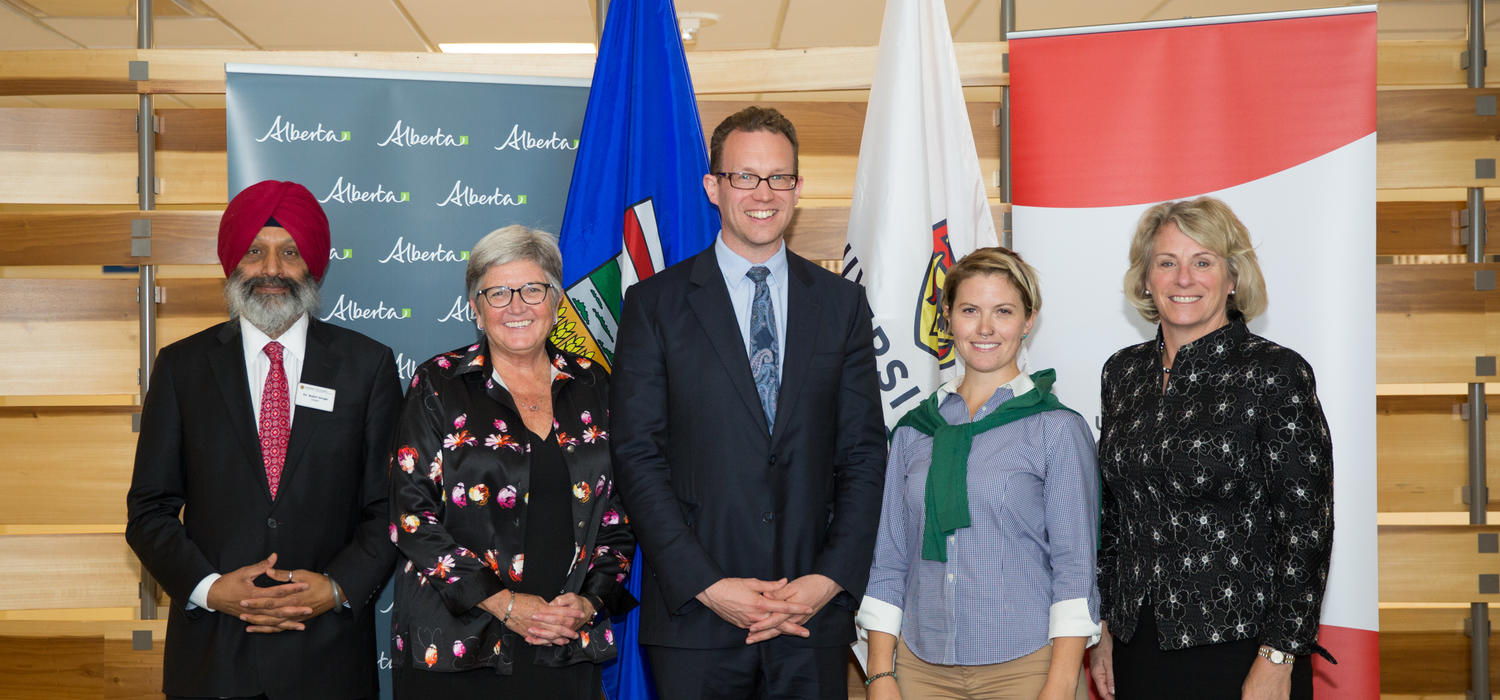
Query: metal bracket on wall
{"points": [[1484, 280], [140, 640], [140, 70], [1489, 584], [1466, 494], [1469, 628], [1484, 105], [1484, 168], [1484, 366], [1463, 59], [140, 238]]}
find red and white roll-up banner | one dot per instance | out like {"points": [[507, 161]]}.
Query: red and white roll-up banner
{"points": [[1275, 115]]}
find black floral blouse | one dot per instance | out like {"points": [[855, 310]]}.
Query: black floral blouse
{"points": [[1218, 501], [459, 486]]}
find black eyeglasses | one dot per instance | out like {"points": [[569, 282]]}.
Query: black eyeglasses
{"points": [[500, 297], [750, 181]]}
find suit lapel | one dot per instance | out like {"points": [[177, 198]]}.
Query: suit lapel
{"points": [[228, 365], [319, 368], [709, 299], [801, 330]]}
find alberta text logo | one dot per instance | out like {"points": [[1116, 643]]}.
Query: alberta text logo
{"points": [[405, 367], [522, 140], [350, 310], [404, 252], [345, 192], [402, 135], [465, 196], [285, 131], [460, 311], [340, 253]]}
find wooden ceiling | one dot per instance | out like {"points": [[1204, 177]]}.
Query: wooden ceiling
{"points": [[421, 25]]}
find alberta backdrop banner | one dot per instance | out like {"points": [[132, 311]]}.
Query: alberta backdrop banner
{"points": [[412, 169], [1275, 115]]}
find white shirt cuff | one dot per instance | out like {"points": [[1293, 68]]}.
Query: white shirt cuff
{"points": [[878, 616], [199, 597], [1070, 618]]}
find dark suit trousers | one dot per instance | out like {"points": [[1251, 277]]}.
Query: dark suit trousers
{"points": [[1143, 671], [770, 670]]}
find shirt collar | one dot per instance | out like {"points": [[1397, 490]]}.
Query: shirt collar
{"points": [[734, 266], [1020, 385], [293, 340]]}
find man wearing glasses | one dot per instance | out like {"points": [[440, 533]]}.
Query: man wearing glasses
{"points": [[749, 445], [259, 494]]}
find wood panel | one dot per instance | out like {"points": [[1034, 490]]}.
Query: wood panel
{"points": [[58, 571], [1432, 164], [1407, 116], [1428, 228], [1425, 653], [72, 156], [69, 337], [1431, 323], [80, 667], [1420, 64], [66, 466], [69, 72], [1422, 446], [1435, 563], [103, 237]]}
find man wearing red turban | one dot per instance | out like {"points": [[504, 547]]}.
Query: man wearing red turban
{"points": [[259, 493]]}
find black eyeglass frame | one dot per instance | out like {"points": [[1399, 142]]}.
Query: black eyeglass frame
{"points": [[511, 294], [795, 178]]}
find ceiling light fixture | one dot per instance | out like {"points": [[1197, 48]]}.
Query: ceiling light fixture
{"points": [[520, 48], [690, 22]]}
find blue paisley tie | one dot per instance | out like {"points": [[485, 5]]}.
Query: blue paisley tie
{"points": [[764, 365]]}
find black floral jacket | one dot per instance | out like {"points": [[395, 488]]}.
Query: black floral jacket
{"points": [[459, 486], [1218, 500]]}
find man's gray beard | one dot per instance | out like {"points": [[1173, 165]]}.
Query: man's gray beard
{"points": [[271, 313]]}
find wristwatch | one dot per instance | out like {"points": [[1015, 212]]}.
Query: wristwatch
{"points": [[1276, 656]]}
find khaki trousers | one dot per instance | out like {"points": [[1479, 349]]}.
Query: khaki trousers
{"points": [[1016, 679]]}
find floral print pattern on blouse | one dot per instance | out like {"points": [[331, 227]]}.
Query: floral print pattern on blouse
{"points": [[459, 486], [1218, 500]]}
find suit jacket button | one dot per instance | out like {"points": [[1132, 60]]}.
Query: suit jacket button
{"points": [[773, 459], [767, 516], [271, 523]]}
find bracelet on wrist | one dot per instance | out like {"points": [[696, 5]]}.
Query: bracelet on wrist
{"points": [[509, 605], [879, 676]]}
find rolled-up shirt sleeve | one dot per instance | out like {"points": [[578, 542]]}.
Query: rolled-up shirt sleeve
{"points": [[881, 608], [1071, 493]]}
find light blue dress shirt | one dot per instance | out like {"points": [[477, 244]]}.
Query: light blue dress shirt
{"points": [[1023, 572], [742, 291]]}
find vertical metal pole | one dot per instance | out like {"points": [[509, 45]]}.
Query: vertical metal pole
{"points": [[1479, 613], [601, 11], [1007, 25], [146, 292]]}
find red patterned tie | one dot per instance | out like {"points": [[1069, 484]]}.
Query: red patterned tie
{"points": [[275, 418]]}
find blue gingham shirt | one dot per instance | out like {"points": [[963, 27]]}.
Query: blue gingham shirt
{"points": [[1023, 572]]}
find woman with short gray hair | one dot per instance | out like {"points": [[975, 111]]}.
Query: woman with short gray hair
{"points": [[515, 545]]}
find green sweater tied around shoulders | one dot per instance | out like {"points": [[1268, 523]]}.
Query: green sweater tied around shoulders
{"points": [[947, 497]]}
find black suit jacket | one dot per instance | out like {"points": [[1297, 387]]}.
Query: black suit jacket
{"points": [[711, 491], [199, 455]]}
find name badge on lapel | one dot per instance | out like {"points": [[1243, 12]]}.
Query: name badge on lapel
{"points": [[314, 396]]}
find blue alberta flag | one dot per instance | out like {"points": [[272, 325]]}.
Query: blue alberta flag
{"points": [[636, 202], [635, 205]]}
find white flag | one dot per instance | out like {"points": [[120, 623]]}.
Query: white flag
{"points": [[919, 201]]}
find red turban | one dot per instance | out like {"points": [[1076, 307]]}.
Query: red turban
{"points": [[294, 209]]}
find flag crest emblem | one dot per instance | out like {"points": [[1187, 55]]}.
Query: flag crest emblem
{"points": [[931, 328]]}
